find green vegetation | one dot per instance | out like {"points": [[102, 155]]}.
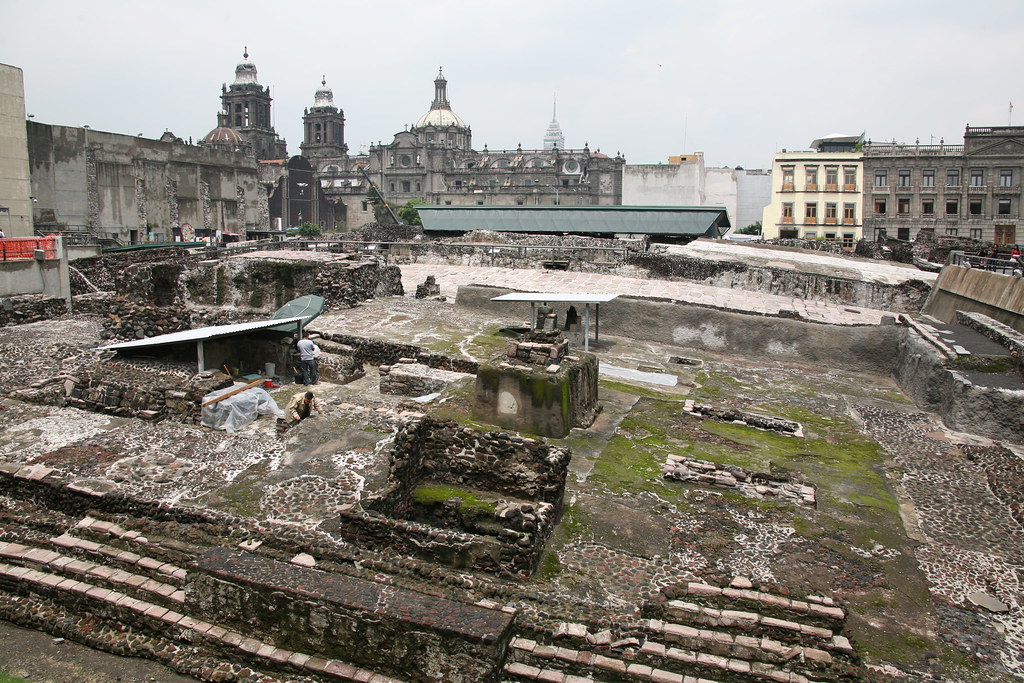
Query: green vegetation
{"points": [[998, 364], [6, 678], [439, 493], [408, 213], [549, 566], [308, 229], [752, 229]]}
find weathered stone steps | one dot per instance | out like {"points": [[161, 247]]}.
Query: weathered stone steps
{"points": [[652, 662], [818, 613], [722, 643], [554, 664], [737, 621], [112, 601]]}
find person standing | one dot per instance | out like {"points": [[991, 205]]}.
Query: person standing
{"points": [[308, 351]]}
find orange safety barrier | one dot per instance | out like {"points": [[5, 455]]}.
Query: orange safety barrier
{"points": [[24, 248]]}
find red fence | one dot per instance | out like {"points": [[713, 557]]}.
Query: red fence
{"points": [[24, 248]]}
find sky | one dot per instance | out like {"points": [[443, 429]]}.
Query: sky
{"points": [[737, 80]]}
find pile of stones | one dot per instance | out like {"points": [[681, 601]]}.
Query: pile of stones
{"points": [[538, 353], [775, 424], [735, 478]]}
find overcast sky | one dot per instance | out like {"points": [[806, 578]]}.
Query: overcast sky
{"points": [[736, 80]]}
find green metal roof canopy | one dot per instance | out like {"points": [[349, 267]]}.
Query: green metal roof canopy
{"points": [[682, 221]]}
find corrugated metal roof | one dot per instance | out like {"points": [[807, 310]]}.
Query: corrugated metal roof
{"points": [[201, 334], [556, 297], [652, 220]]}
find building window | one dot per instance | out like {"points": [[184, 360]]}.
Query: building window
{"points": [[787, 177], [952, 232], [952, 206], [830, 213], [448, 202], [927, 207], [811, 212], [904, 179], [847, 239], [831, 178], [953, 177], [1004, 207], [406, 186], [365, 206], [417, 187], [1005, 234], [903, 206], [519, 202], [811, 175], [479, 202], [850, 178], [881, 178], [928, 178], [977, 177], [880, 206], [787, 212], [903, 234], [392, 187], [430, 137], [458, 184], [811, 235], [1006, 177], [976, 233], [975, 206], [830, 236], [849, 214]]}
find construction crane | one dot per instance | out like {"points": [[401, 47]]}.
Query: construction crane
{"points": [[380, 195]]}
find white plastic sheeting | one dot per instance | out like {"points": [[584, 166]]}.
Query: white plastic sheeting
{"points": [[236, 411]]}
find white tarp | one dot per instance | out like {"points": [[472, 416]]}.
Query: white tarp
{"points": [[236, 411]]}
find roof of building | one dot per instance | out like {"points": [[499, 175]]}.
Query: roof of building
{"points": [[222, 135], [245, 72], [201, 334], [653, 220], [324, 96]]}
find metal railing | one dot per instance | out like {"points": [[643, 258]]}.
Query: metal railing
{"points": [[982, 262]]}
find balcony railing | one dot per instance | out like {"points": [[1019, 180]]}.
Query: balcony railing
{"points": [[888, 149]]}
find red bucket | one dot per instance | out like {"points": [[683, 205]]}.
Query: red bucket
{"points": [[268, 383]]}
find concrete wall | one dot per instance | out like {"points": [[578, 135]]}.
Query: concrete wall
{"points": [[753, 194], [30, 277], [115, 184], [856, 348], [979, 291], [14, 175], [663, 184]]}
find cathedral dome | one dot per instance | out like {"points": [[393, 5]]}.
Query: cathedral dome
{"points": [[440, 114], [441, 118], [222, 135], [245, 72], [324, 97]]}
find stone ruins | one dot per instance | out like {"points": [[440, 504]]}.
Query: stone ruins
{"points": [[794, 479]]}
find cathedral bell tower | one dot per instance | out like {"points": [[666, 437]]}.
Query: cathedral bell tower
{"points": [[246, 110], [323, 127]]}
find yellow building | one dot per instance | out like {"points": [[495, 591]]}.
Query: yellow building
{"points": [[816, 194]]}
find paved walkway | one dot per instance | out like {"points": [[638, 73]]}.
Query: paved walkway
{"points": [[450, 277]]}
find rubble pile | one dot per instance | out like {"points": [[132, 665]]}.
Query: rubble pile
{"points": [[775, 424], [734, 478]]}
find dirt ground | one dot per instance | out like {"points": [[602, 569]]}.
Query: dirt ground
{"points": [[41, 658]]}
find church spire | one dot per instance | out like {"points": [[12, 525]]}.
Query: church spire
{"points": [[553, 138], [440, 92]]}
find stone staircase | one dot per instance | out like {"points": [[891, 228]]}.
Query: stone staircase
{"points": [[95, 584], [707, 634]]}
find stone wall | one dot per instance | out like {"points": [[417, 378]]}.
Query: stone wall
{"points": [[398, 632], [994, 330], [922, 374], [30, 308], [147, 390], [549, 400], [868, 348], [529, 472], [906, 297], [998, 296], [408, 378], [380, 352]]}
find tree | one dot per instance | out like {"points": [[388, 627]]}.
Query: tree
{"points": [[752, 229], [408, 213], [308, 229], [380, 207]]}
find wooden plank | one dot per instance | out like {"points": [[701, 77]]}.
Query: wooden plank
{"points": [[239, 390]]}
